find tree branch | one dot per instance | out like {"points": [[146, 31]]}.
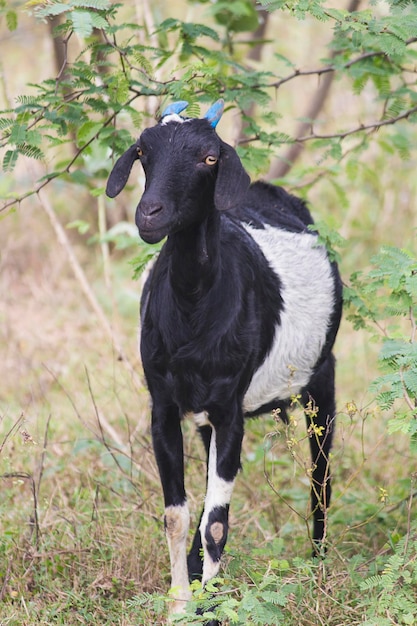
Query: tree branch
{"points": [[80, 275], [363, 127], [280, 167]]}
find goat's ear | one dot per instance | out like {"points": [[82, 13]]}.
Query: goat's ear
{"points": [[120, 172], [232, 181]]}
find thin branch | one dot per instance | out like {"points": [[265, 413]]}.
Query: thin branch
{"points": [[413, 325], [363, 127], [6, 578], [10, 432], [409, 507], [281, 166], [67, 168], [331, 68], [34, 521], [43, 455], [85, 286]]}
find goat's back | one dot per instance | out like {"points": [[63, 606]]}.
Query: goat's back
{"points": [[269, 204]]}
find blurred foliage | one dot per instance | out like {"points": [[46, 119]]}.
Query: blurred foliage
{"points": [[95, 98], [384, 300]]}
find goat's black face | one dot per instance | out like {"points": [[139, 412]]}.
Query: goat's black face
{"points": [[180, 160], [189, 171]]}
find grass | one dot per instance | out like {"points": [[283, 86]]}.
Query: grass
{"points": [[82, 537]]}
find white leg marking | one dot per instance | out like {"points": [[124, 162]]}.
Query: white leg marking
{"points": [[177, 521], [219, 493], [201, 419]]}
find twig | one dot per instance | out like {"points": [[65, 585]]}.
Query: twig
{"points": [[400, 503], [104, 425], [68, 167], [5, 580], [371, 126], [280, 167], [11, 431], [104, 245], [409, 507], [34, 522], [330, 68], [85, 286], [42, 459], [413, 325]]}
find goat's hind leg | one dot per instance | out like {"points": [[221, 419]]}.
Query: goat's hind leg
{"points": [[320, 410]]}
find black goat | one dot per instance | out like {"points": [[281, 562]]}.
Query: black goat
{"points": [[239, 313]]}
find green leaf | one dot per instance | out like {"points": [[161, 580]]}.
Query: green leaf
{"points": [[81, 225], [410, 381], [88, 131], [92, 4], [18, 134], [82, 23], [11, 20], [33, 152], [6, 122], [56, 8], [98, 21], [10, 159]]}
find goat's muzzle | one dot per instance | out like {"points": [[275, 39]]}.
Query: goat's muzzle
{"points": [[150, 220]]}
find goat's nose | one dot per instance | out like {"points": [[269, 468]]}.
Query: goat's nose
{"points": [[150, 208]]}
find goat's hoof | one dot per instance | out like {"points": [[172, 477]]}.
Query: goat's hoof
{"points": [[212, 622]]}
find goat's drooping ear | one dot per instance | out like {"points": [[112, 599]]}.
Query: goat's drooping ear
{"points": [[175, 108], [215, 112], [120, 172], [232, 181]]}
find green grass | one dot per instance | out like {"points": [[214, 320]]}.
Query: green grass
{"points": [[82, 537]]}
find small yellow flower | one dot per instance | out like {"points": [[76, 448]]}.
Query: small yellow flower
{"points": [[351, 409], [383, 495], [316, 430]]}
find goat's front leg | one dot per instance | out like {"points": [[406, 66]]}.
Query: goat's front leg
{"points": [[223, 465], [168, 446]]}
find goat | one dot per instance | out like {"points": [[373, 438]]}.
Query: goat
{"points": [[240, 313]]}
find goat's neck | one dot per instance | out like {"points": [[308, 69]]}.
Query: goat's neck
{"points": [[195, 259]]}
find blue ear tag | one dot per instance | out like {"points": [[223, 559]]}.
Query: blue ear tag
{"points": [[175, 108], [215, 112]]}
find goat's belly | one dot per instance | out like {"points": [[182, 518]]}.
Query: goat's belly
{"points": [[276, 379], [308, 298]]}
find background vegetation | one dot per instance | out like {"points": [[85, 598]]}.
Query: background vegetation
{"points": [[320, 98]]}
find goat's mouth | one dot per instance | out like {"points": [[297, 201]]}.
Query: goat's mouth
{"points": [[152, 228], [151, 234]]}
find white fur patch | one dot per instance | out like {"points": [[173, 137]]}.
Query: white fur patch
{"points": [[177, 520], [173, 117], [201, 419], [308, 295], [219, 493]]}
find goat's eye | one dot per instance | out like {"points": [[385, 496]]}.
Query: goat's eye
{"points": [[139, 151], [210, 160]]}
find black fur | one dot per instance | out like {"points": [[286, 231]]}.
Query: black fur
{"points": [[212, 304]]}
